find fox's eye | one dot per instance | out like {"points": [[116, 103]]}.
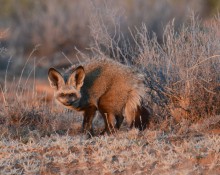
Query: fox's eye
{"points": [[62, 94], [71, 95]]}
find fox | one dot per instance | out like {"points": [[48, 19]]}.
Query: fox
{"points": [[104, 85]]}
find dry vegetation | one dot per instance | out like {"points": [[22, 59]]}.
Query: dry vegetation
{"points": [[182, 71], [152, 152]]}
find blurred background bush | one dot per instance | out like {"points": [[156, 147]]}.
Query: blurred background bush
{"points": [[56, 28]]}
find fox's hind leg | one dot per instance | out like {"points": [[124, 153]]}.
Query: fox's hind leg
{"points": [[89, 115], [141, 120], [109, 119], [107, 108], [109, 123]]}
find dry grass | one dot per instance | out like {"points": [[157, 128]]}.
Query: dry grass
{"points": [[151, 152], [39, 137]]}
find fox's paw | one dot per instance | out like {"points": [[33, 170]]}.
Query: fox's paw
{"points": [[87, 134]]}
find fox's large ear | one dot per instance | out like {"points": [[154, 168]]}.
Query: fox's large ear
{"points": [[77, 77], [55, 78]]}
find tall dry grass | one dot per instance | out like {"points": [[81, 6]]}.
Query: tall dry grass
{"points": [[187, 66]]}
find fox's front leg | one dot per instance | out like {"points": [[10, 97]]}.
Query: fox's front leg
{"points": [[119, 120], [89, 115]]}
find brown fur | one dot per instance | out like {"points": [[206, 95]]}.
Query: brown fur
{"points": [[115, 90]]}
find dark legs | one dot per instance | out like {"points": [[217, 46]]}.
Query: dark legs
{"points": [[87, 121], [119, 120], [109, 122], [113, 122], [142, 118], [109, 119]]}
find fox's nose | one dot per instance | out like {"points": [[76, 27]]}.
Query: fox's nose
{"points": [[69, 102], [72, 98]]}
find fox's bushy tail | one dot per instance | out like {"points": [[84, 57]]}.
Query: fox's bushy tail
{"points": [[135, 113]]}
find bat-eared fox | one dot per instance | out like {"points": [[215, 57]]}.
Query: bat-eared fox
{"points": [[115, 90]]}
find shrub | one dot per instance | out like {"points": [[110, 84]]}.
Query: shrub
{"points": [[182, 73]]}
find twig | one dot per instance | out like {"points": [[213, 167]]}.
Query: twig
{"points": [[197, 64], [67, 58]]}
